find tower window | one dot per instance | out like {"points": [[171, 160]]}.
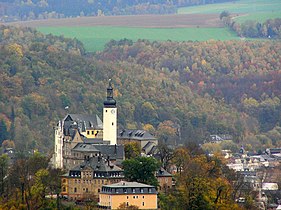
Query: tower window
{"points": [[106, 110], [112, 123]]}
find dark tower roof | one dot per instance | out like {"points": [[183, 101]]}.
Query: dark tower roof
{"points": [[110, 101]]}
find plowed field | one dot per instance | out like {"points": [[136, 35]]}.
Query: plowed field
{"points": [[143, 21]]}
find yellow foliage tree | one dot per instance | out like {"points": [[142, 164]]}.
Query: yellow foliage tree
{"points": [[16, 48]]}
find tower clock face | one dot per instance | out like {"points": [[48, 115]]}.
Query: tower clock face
{"points": [[112, 111]]}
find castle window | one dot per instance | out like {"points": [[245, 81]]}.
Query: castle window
{"points": [[142, 203], [112, 123], [75, 189]]}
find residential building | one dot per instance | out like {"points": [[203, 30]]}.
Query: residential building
{"points": [[165, 180], [131, 193], [86, 180]]}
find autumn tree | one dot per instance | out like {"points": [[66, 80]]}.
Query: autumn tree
{"points": [[3, 131], [141, 169], [167, 132], [3, 172], [132, 150], [202, 184], [165, 154]]}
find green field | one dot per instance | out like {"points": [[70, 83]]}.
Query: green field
{"points": [[259, 17], [242, 6], [94, 38], [259, 10]]}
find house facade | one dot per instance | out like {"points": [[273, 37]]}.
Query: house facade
{"points": [[85, 180], [165, 180], [131, 193]]}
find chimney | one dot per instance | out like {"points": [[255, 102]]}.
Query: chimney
{"points": [[108, 162]]}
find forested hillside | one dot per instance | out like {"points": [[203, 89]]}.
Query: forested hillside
{"points": [[12, 10], [41, 75], [243, 74]]}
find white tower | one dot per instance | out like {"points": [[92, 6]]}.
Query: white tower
{"points": [[58, 159], [110, 117]]}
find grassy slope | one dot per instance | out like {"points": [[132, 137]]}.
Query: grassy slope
{"points": [[260, 17], [259, 10], [94, 38], [242, 6]]}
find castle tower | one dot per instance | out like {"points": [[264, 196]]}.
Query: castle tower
{"points": [[57, 158], [110, 117]]}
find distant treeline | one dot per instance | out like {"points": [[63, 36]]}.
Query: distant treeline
{"points": [[271, 28], [11, 10]]}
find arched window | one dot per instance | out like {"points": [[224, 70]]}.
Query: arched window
{"points": [[75, 189]]}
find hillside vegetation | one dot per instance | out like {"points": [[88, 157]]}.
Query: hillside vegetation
{"points": [[181, 91]]}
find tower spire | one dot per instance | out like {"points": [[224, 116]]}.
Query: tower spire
{"points": [[110, 101]]}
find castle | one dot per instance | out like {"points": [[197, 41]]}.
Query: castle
{"points": [[79, 137]]}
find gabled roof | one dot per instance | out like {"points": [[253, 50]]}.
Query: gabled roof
{"points": [[112, 151], [152, 151], [135, 134], [81, 147], [84, 121], [162, 173], [97, 164], [148, 144]]}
